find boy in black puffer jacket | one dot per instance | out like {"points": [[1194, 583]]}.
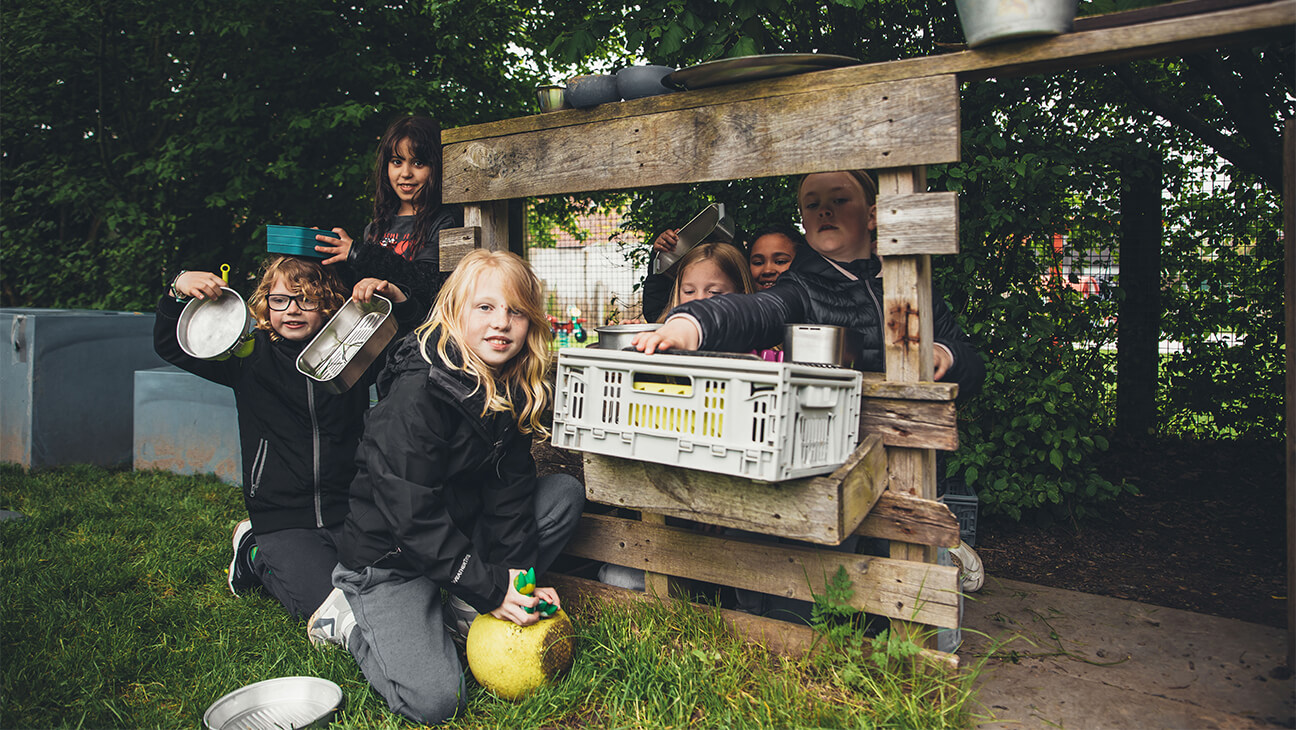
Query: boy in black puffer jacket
{"points": [[298, 440]]}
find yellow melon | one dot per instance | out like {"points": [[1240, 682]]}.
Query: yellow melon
{"points": [[511, 660]]}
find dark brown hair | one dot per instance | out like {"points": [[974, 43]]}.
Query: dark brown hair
{"points": [[424, 136]]}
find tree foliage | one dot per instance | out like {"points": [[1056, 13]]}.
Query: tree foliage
{"points": [[144, 137]]}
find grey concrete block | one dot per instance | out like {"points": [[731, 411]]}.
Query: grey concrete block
{"points": [[186, 425], [66, 383]]}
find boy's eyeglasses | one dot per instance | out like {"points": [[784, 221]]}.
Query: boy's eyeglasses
{"points": [[280, 302]]}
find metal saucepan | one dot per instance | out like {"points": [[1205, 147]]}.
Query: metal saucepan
{"points": [[212, 329]]}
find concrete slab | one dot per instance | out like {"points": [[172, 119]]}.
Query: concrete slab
{"points": [[1062, 659]]}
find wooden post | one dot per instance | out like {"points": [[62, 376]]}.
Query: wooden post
{"points": [[906, 305], [1289, 268], [655, 584], [1139, 334]]}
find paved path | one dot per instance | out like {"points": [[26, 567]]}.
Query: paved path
{"points": [[1074, 660]]}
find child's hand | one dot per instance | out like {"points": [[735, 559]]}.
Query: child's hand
{"points": [[366, 288], [512, 609], [666, 240], [941, 361], [337, 248], [678, 333], [199, 285]]}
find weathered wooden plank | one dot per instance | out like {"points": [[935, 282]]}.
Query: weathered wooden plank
{"points": [[579, 595], [917, 223], [824, 509], [916, 122], [911, 519], [911, 423], [875, 385], [457, 243], [1163, 37], [658, 584], [906, 294], [492, 216], [901, 589]]}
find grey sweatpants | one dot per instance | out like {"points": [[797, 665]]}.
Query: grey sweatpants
{"points": [[296, 566], [399, 640]]}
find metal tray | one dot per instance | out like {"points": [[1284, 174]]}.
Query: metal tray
{"points": [[286, 702], [752, 68], [348, 344]]}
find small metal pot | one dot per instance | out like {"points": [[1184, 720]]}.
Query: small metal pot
{"points": [[993, 21], [621, 336], [820, 344], [552, 98], [590, 90], [212, 329]]}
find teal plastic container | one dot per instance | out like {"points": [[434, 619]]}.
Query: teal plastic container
{"points": [[295, 240]]}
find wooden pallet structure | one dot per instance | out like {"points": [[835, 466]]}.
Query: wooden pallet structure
{"points": [[893, 118]]}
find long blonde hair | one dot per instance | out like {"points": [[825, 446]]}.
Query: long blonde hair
{"points": [[520, 387], [730, 260]]}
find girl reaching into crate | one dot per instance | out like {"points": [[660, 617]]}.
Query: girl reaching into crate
{"points": [[402, 242], [298, 440], [837, 281], [446, 496]]}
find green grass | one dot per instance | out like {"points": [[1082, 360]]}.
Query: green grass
{"points": [[116, 614]]}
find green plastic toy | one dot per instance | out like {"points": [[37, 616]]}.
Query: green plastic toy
{"points": [[525, 584]]}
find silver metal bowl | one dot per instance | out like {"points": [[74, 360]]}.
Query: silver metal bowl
{"points": [[286, 702], [820, 343], [340, 353], [213, 328], [552, 98], [621, 336]]}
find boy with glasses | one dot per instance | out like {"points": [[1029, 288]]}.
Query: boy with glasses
{"points": [[298, 440]]}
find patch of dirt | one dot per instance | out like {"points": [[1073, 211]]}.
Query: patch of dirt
{"points": [[1206, 533]]}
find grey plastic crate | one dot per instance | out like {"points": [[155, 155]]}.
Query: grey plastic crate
{"points": [[962, 501]]}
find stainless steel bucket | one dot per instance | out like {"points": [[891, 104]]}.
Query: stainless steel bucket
{"points": [[212, 329], [820, 343], [286, 702], [995, 21], [621, 336], [340, 353]]}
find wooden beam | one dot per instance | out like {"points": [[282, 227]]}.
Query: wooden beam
{"points": [[913, 424], [909, 519], [876, 386], [457, 243], [915, 122], [1122, 42], [824, 509], [580, 596], [919, 223], [901, 589]]}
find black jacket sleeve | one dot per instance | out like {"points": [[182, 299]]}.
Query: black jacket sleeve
{"points": [[167, 346], [745, 322]]}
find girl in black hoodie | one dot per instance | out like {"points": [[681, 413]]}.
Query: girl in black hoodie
{"points": [[402, 242], [446, 496]]}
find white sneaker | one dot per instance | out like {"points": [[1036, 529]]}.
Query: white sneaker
{"points": [[971, 571], [332, 621]]}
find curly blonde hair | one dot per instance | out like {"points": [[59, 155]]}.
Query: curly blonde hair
{"points": [[301, 276], [519, 387]]}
